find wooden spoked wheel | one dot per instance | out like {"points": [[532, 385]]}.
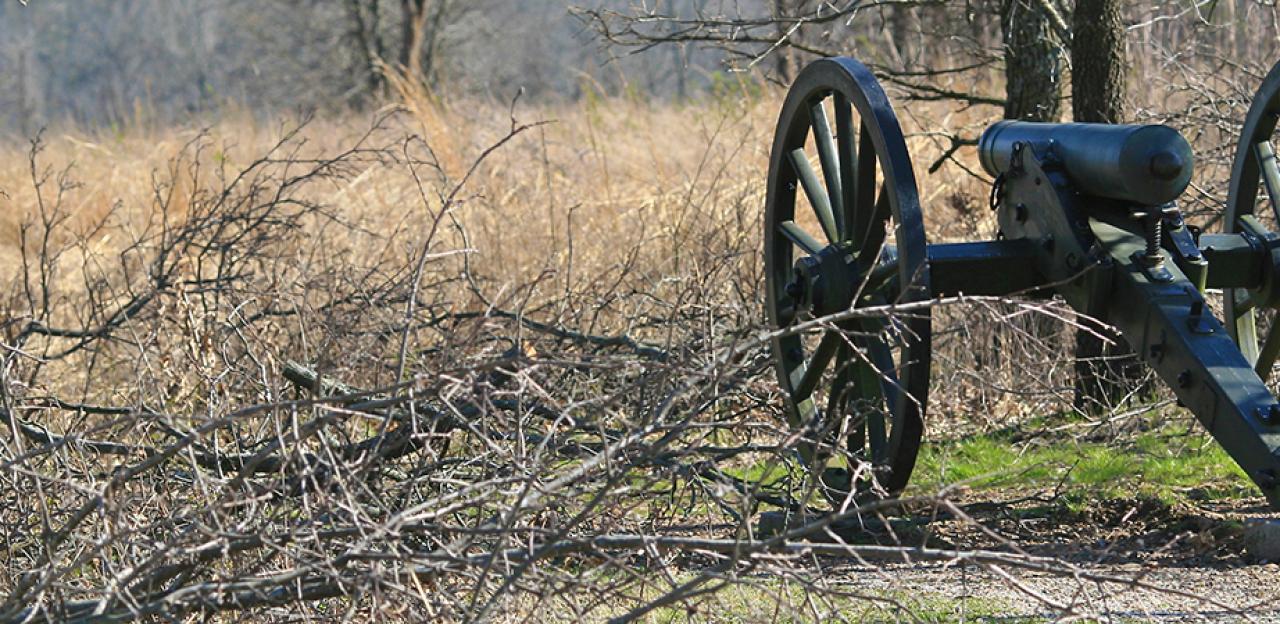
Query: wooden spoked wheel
{"points": [[1255, 180], [845, 231]]}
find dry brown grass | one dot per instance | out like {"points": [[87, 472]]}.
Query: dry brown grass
{"points": [[625, 233]]}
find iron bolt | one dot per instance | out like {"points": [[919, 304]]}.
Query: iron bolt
{"points": [[1020, 212], [1269, 415], [1266, 478], [1184, 379]]}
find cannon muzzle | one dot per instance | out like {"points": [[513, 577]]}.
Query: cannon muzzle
{"points": [[1145, 164]]}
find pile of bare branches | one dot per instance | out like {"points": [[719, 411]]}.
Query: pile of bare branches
{"points": [[257, 404]]}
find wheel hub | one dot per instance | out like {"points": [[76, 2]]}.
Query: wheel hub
{"points": [[825, 283]]}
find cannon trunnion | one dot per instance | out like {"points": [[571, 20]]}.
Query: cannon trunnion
{"points": [[1086, 211]]}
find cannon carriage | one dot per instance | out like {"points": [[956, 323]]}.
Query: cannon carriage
{"points": [[1087, 212]]}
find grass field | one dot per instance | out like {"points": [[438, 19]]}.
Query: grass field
{"points": [[542, 297]]}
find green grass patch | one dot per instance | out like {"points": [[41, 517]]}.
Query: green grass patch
{"points": [[1165, 462]]}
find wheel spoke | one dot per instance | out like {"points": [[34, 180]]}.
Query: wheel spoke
{"points": [[872, 409], [800, 238], [817, 195], [838, 401], [786, 312], [890, 386], [806, 378], [866, 188], [1247, 335], [862, 402], [872, 383], [885, 270], [1244, 302], [1270, 349], [829, 161], [1270, 174], [848, 157], [807, 411], [874, 233]]}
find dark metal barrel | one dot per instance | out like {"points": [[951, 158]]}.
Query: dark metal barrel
{"points": [[1145, 164]]}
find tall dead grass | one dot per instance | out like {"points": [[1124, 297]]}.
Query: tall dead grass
{"points": [[445, 345]]}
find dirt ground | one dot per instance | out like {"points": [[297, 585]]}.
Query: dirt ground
{"points": [[1166, 563]]}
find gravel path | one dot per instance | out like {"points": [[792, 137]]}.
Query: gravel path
{"points": [[1166, 564], [1170, 594]]}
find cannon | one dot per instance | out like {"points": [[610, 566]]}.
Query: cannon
{"points": [[1087, 212]]}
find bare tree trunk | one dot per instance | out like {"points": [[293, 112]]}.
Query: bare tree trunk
{"points": [[1033, 62], [26, 114], [904, 29], [413, 14], [366, 23], [783, 56], [422, 25], [428, 62], [1105, 373], [1240, 28], [1098, 62]]}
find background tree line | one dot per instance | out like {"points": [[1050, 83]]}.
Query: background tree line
{"points": [[110, 61], [115, 60]]}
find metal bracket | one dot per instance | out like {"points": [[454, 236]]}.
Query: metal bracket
{"points": [[1186, 253], [1156, 272], [1197, 321]]}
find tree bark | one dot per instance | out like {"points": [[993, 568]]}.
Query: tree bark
{"points": [[1099, 64], [1032, 61], [366, 31], [782, 55], [904, 30], [1033, 86], [422, 26], [412, 26], [1105, 373]]}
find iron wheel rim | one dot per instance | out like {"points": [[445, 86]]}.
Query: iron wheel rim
{"points": [[1247, 185], [861, 219]]}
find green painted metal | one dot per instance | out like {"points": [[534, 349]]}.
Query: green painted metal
{"points": [[858, 376], [1172, 329], [1069, 202], [1234, 262], [988, 268], [1093, 255]]}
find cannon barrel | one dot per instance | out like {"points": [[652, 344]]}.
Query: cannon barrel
{"points": [[1145, 164]]}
